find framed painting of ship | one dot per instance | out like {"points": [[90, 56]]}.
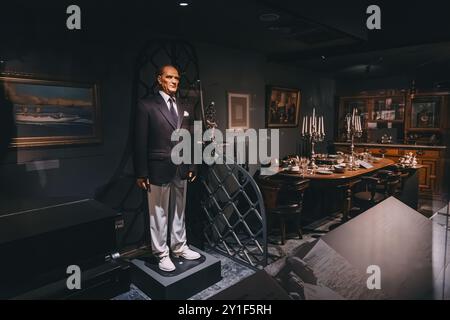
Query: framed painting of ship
{"points": [[52, 112]]}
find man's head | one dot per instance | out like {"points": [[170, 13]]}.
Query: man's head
{"points": [[168, 79]]}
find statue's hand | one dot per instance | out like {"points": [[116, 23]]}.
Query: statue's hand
{"points": [[191, 176], [143, 183]]}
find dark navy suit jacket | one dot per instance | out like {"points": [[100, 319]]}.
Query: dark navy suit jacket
{"points": [[152, 149]]}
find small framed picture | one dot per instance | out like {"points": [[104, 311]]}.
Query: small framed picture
{"points": [[282, 107], [238, 110]]}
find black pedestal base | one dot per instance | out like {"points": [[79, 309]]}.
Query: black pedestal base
{"points": [[190, 277]]}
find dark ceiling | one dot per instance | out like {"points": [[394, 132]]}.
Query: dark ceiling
{"points": [[327, 36]]}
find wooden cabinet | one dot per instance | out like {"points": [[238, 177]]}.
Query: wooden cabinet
{"points": [[421, 119], [427, 177], [417, 123], [382, 112], [432, 173]]}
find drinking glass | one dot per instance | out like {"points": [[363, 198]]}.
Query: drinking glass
{"points": [[304, 162]]}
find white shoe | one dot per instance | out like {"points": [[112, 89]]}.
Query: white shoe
{"points": [[188, 254], [165, 264]]}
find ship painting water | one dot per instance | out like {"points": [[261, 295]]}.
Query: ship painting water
{"points": [[37, 117], [45, 120], [52, 110]]}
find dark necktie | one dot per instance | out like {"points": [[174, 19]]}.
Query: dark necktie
{"points": [[173, 113]]}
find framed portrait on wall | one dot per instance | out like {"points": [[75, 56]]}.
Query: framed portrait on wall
{"points": [[282, 107], [238, 110], [52, 112], [425, 112]]}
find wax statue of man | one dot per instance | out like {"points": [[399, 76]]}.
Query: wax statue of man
{"points": [[156, 118]]}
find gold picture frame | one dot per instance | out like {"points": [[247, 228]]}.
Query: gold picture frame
{"points": [[52, 112], [282, 107]]}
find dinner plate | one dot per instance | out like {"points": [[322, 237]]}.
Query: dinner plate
{"points": [[324, 172]]}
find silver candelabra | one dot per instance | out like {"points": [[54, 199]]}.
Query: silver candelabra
{"points": [[313, 131], [354, 129]]}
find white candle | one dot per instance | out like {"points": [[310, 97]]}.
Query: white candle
{"points": [[307, 124], [310, 125], [354, 118], [323, 129], [321, 125], [303, 126], [314, 125], [318, 125]]}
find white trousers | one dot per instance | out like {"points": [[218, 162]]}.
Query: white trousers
{"points": [[166, 205]]}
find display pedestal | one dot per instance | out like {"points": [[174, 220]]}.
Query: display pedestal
{"points": [[189, 278]]}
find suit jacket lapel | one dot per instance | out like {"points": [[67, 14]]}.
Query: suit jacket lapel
{"points": [[165, 111]]}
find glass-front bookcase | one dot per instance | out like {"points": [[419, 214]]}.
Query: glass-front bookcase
{"points": [[397, 117], [391, 108], [383, 115]]}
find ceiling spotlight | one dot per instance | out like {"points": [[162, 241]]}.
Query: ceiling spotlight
{"points": [[323, 57], [183, 4]]}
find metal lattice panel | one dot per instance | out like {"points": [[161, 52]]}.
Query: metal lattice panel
{"points": [[235, 214]]}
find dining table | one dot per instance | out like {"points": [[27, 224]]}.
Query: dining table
{"points": [[331, 192]]}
